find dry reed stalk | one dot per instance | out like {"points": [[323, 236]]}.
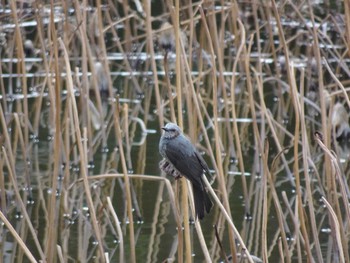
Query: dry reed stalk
{"points": [[336, 230], [265, 179], [281, 221], [325, 125], [107, 257], [3, 196], [233, 108], [197, 224], [175, 13], [47, 79], [102, 46], [296, 164], [185, 189], [228, 218], [337, 81], [218, 168], [66, 208], [148, 178], [50, 248], [87, 58], [272, 123], [347, 24], [24, 152], [3, 92], [17, 238], [83, 161], [338, 212], [137, 176], [126, 180], [13, 179], [157, 208], [126, 131], [297, 236], [298, 229], [280, 249], [119, 230], [217, 39], [21, 69], [150, 47], [59, 254], [169, 88], [293, 90], [9, 158], [300, 110], [125, 60], [255, 221], [306, 157], [127, 28]]}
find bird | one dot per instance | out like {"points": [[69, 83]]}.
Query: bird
{"points": [[181, 158]]}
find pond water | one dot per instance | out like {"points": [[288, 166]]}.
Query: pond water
{"points": [[252, 98]]}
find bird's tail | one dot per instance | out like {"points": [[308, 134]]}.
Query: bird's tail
{"points": [[202, 202]]}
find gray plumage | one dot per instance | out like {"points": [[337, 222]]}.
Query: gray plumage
{"points": [[182, 158]]}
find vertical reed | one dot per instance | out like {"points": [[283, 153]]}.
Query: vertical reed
{"points": [[126, 181], [83, 160]]}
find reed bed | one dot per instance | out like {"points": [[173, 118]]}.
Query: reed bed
{"points": [[260, 87]]}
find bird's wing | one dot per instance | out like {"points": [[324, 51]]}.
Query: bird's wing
{"points": [[184, 157], [202, 162]]}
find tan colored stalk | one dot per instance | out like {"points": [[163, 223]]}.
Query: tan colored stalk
{"points": [[3, 92], [3, 204], [125, 60], [17, 238], [175, 13], [233, 109], [50, 250], [218, 168], [265, 178], [126, 180], [170, 92], [228, 218], [217, 40], [198, 225], [347, 24], [149, 40], [22, 69], [337, 81], [83, 161], [325, 124], [13, 179], [59, 254], [335, 229], [279, 212], [172, 197], [86, 58], [272, 123], [119, 230], [293, 89], [305, 151], [47, 80], [342, 184], [24, 152]]}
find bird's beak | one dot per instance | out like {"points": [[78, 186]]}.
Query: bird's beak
{"points": [[163, 128]]}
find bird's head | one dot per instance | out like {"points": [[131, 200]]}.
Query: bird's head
{"points": [[171, 130]]}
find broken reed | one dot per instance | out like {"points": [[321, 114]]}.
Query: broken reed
{"points": [[73, 137]]}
